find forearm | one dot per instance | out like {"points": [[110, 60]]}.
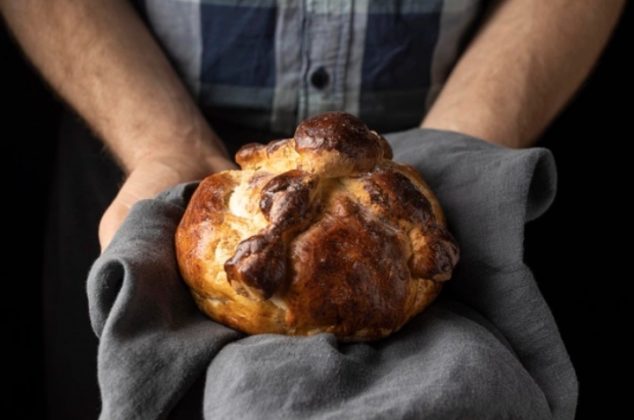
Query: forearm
{"points": [[522, 67], [100, 57]]}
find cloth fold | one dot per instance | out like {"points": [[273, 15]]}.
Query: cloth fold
{"points": [[487, 348]]}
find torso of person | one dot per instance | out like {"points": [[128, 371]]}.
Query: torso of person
{"points": [[268, 64]]}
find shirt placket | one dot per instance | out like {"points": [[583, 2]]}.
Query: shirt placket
{"points": [[325, 45]]}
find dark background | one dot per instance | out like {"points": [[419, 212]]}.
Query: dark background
{"points": [[577, 250]]}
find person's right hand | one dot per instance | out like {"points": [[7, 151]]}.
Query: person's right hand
{"points": [[150, 177]]}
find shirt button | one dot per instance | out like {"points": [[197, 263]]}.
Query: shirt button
{"points": [[320, 78]]}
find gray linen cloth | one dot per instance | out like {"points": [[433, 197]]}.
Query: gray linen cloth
{"points": [[487, 348]]}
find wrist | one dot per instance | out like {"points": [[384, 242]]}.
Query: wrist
{"points": [[485, 128], [192, 141], [181, 166]]}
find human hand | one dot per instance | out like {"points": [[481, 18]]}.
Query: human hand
{"points": [[150, 177]]}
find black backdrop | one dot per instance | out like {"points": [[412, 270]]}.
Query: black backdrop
{"points": [[577, 250]]}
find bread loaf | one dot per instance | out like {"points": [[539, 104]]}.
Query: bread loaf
{"points": [[321, 232]]}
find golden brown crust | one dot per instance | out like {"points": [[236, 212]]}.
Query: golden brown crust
{"points": [[318, 233], [350, 275], [344, 134]]}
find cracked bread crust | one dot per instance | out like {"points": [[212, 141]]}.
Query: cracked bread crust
{"points": [[322, 232]]}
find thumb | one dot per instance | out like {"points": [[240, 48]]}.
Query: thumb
{"points": [[114, 216]]}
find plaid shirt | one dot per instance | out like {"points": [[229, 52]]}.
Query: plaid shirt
{"points": [[268, 64]]}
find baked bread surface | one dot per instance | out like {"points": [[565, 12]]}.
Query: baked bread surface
{"points": [[322, 232]]}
